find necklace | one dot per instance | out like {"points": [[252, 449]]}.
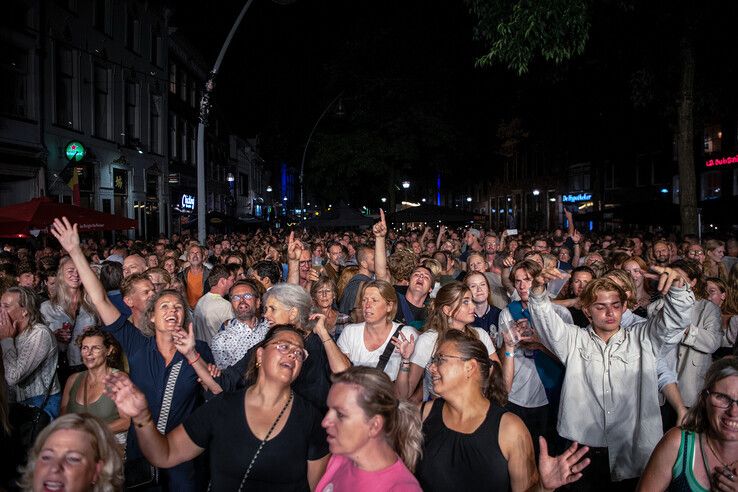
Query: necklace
{"points": [[725, 465]]}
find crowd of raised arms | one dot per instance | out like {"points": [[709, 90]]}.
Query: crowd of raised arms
{"points": [[446, 359]]}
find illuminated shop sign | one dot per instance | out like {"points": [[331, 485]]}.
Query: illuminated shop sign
{"points": [[187, 202], [723, 161], [581, 197]]}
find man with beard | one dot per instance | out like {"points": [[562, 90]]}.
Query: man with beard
{"points": [[239, 334], [660, 254]]}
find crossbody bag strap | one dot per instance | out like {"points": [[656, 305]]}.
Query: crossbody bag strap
{"points": [[166, 401], [385, 357]]}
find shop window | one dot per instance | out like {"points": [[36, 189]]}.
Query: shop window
{"points": [[711, 185], [65, 83], [101, 102], [713, 139], [14, 82]]}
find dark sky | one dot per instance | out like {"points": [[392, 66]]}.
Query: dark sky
{"points": [[287, 62]]}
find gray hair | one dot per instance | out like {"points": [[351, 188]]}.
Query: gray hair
{"points": [[292, 296]]}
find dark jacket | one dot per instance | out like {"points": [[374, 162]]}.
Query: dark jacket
{"points": [[205, 274]]}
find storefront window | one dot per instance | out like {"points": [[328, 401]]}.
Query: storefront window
{"points": [[711, 185]]}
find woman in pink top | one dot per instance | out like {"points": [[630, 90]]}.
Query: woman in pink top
{"points": [[375, 439]]}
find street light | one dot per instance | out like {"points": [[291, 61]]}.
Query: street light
{"points": [[536, 192], [469, 199], [406, 184], [231, 178], [269, 189], [340, 112], [384, 200]]}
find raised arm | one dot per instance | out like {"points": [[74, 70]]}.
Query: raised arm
{"points": [[184, 340], [294, 250], [161, 451], [707, 337], [68, 237], [576, 238], [555, 334], [337, 360], [675, 316], [380, 248]]}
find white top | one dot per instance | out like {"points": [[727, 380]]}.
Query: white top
{"points": [[30, 363], [55, 317], [425, 347], [351, 343], [211, 311], [610, 392]]}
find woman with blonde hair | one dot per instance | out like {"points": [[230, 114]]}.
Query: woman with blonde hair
{"points": [[68, 313], [713, 265], [453, 310], [371, 343], [375, 439], [637, 268], [75, 453]]}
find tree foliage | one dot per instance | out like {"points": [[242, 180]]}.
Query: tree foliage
{"points": [[516, 32]]}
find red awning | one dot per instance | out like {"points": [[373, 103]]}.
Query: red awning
{"points": [[39, 213]]}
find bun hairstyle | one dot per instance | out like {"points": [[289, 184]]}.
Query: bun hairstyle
{"points": [[402, 425], [490, 372]]}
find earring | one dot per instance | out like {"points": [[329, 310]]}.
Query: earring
{"points": [[258, 364], [450, 320]]}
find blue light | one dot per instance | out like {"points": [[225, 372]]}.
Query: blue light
{"points": [[438, 189], [664, 190], [284, 178], [591, 225]]}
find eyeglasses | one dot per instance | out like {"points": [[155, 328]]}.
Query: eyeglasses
{"points": [[324, 292], [440, 359], [288, 349], [696, 253], [720, 400], [245, 297]]}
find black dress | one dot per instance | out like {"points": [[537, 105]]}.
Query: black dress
{"points": [[453, 461], [220, 427]]}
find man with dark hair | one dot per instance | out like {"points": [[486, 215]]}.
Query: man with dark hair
{"points": [[336, 256], [365, 261], [267, 273], [239, 334], [137, 290], [580, 277], [111, 276], [212, 310], [26, 276]]}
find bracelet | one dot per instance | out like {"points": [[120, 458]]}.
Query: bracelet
{"points": [[145, 423], [196, 359], [509, 354], [405, 362], [326, 340]]}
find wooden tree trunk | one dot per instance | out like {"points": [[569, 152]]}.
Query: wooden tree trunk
{"points": [[685, 140]]}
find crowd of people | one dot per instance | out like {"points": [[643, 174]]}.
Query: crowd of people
{"points": [[384, 359]]}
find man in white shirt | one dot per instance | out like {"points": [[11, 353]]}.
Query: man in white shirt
{"points": [[239, 334], [609, 399], [212, 310]]}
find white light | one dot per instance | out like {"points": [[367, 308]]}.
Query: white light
{"points": [[664, 190], [552, 199], [308, 204], [423, 200], [284, 199], [269, 189], [384, 200], [536, 192], [231, 178], [406, 184], [469, 199], [509, 199]]}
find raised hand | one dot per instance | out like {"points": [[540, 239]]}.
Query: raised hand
{"points": [[66, 233], [380, 228], [319, 327], [669, 277], [405, 346], [126, 396], [563, 469], [508, 262], [294, 247], [576, 237], [184, 340], [546, 275]]}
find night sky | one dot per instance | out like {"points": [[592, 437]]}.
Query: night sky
{"points": [[408, 67]]}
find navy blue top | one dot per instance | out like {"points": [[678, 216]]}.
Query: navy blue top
{"points": [[150, 374], [491, 317]]}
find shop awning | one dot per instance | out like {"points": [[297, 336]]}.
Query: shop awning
{"points": [[39, 213]]}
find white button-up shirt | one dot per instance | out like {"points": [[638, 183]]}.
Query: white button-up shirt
{"points": [[235, 339], [610, 393]]}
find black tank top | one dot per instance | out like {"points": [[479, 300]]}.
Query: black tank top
{"points": [[453, 461]]}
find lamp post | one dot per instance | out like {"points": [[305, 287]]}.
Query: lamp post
{"points": [[307, 144], [202, 121]]}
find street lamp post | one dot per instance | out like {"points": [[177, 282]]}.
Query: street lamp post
{"points": [[202, 121], [304, 152]]}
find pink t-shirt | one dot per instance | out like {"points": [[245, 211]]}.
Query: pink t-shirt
{"points": [[342, 476]]}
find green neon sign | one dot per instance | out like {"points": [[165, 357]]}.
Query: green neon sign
{"points": [[75, 151]]}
